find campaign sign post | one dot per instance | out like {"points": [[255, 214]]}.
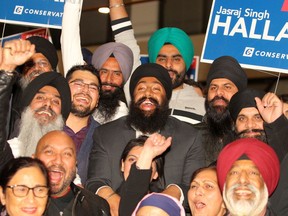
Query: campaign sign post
{"points": [[40, 13], [255, 32]]}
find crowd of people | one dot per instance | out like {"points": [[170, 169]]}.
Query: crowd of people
{"points": [[112, 136]]}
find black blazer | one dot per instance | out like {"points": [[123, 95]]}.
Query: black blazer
{"points": [[185, 155]]}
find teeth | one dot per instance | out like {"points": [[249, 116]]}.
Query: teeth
{"points": [[200, 205], [45, 112], [243, 192]]}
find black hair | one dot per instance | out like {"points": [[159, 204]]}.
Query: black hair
{"points": [[159, 160], [196, 172], [85, 67], [14, 165], [283, 97]]}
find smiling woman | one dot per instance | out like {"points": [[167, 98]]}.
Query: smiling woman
{"points": [[24, 187], [204, 195]]}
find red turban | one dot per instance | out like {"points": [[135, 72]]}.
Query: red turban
{"points": [[260, 153]]}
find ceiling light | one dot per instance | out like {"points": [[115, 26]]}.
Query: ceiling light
{"points": [[104, 10]]}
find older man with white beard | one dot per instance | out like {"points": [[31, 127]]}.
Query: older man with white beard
{"points": [[248, 173], [46, 105]]}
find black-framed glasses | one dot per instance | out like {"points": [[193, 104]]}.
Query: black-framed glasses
{"points": [[23, 190], [80, 85]]}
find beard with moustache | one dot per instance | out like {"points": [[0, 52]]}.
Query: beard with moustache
{"points": [[81, 111], [262, 135], [108, 103], [29, 123], [220, 128], [252, 207], [179, 78], [148, 123]]}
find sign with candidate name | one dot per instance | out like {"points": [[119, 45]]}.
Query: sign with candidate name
{"points": [[40, 13], [255, 32]]}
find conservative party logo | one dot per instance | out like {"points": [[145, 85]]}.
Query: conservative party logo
{"points": [[18, 9], [248, 52]]}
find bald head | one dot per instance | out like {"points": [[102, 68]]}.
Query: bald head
{"points": [[57, 151], [55, 137]]}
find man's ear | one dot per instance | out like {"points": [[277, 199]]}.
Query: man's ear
{"points": [[33, 155], [122, 166], [2, 196]]}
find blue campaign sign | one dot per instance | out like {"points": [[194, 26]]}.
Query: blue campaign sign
{"points": [[43, 13], [255, 32]]}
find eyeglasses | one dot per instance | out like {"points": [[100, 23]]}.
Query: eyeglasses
{"points": [[31, 64], [23, 190], [80, 85]]}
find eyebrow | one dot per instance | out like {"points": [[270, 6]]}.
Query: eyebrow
{"points": [[163, 55], [154, 82], [92, 83], [49, 146], [41, 92]]}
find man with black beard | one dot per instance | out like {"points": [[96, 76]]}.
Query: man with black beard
{"points": [[84, 83], [224, 79], [259, 115], [150, 90], [173, 49], [114, 61], [46, 105], [58, 152]]}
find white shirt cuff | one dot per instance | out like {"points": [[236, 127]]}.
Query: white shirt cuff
{"points": [[182, 194]]}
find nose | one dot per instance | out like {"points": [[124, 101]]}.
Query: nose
{"points": [[220, 92], [199, 191], [169, 63], [47, 102], [250, 124], [243, 178], [148, 92], [57, 159], [107, 77], [30, 196], [85, 87]]}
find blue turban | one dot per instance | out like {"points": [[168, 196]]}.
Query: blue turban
{"points": [[174, 36]]}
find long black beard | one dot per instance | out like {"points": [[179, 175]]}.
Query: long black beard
{"points": [[220, 130], [218, 118], [148, 124], [109, 103]]}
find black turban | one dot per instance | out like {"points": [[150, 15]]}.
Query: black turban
{"points": [[152, 70], [227, 67], [243, 99], [55, 80], [45, 47]]}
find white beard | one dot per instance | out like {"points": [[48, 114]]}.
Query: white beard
{"points": [[246, 207], [31, 131]]}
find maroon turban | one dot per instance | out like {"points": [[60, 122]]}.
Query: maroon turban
{"points": [[260, 153]]}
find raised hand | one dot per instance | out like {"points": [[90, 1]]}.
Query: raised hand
{"points": [[15, 53], [154, 146], [270, 107]]}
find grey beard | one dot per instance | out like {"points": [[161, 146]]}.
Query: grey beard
{"points": [[31, 131], [24, 82]]}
